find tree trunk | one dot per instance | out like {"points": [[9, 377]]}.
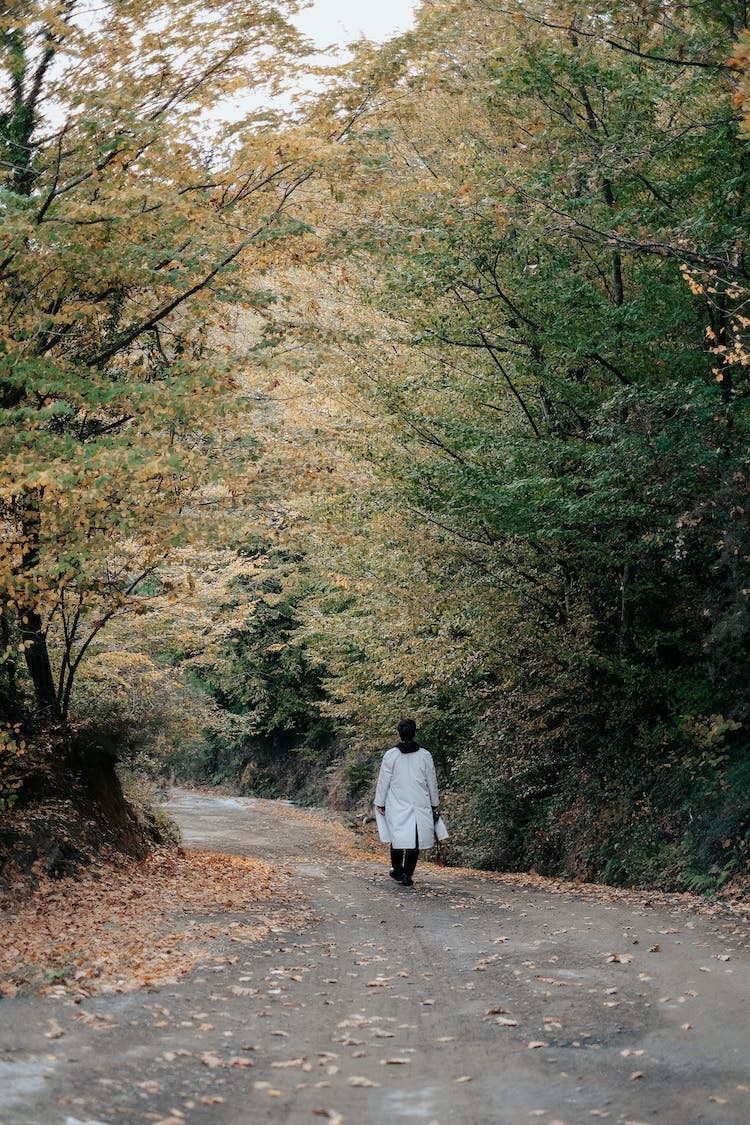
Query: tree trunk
{"points": [[625, 611], [38, 663]]}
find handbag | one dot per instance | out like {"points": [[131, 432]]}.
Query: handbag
{"points": [[442, 847]]}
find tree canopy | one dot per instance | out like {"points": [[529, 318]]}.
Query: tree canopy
{"points": [[128, 210], [536, 286], [486, 441]]}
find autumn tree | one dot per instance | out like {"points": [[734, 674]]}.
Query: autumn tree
{"points": [[558, 538], [127, 211]]}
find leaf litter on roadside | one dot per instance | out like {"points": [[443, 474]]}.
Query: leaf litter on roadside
{"points": [[123, 927]]}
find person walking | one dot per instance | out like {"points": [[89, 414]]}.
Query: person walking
{"points": [[406, 802]]}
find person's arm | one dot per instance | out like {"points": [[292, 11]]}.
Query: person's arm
{"points": [[432, 787], [383, 785]]}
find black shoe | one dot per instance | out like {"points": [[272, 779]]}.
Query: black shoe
{"points": [[395, 875], [406, 881]]}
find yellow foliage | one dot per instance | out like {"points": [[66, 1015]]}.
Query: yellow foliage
{"points": [[121, 244]]}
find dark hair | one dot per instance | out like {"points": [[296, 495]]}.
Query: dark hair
{"points": [[407, 728]]}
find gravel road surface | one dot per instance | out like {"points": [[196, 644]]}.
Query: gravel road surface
{"points": [[467, 999]]}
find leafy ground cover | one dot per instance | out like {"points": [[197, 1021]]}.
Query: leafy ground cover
{"points": [[116, 928]]}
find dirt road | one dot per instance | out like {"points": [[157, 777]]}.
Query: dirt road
{"points": [[468, 999]]}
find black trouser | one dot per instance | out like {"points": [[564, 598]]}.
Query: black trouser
{"points": [[404, 860]]}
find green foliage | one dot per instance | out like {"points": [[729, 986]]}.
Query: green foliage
{"points": [[550, 554], [147, 709], [274, 741]]}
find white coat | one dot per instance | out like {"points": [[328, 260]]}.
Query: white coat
{"points": [[407, 789]]}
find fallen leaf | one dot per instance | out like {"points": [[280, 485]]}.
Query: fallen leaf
{"points": [[536, 1043], [170, 1056], [54, 1031], [395, 1062], [358, 1080], [149, 1086], [129, 911], [93, 1019], [209, 1059], [464, 1078], [267, 1088], [481, 966]]}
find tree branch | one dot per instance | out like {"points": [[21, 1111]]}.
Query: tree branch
{"points": [[702, 64]]}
